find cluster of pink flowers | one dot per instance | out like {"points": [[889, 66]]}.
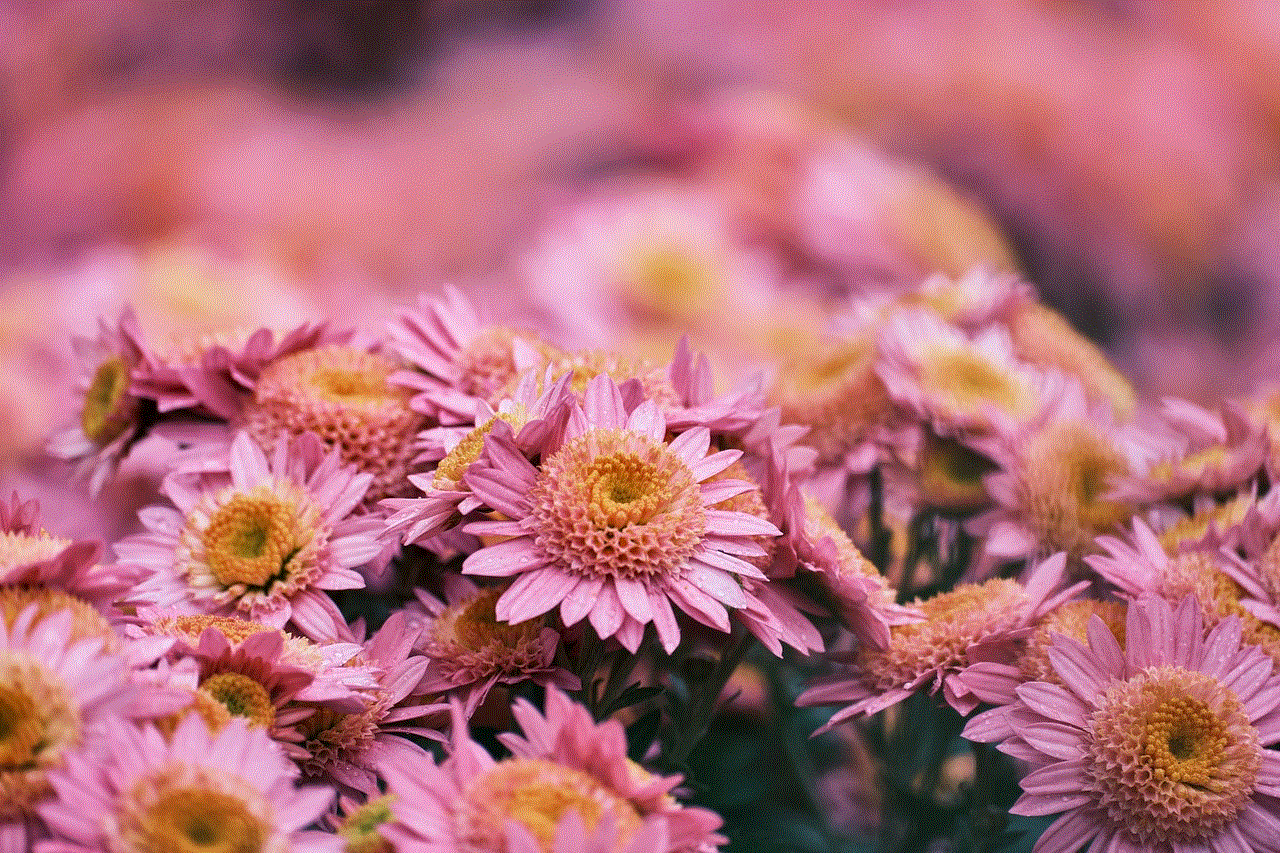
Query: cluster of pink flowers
{"points": [[364, 546]]}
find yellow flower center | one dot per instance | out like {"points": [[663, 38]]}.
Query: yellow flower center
{"points": [[241, 696], [1173, 756], [191, 627], [1194, 529], [617, 503], [672, 282], [252, 540], [537, 794], [86, 622], [360, 828], [951, 474], [37, 723], [107, 407], [476, 625], [197, 820], [451, 468], [970, 382], [350, 385], [1068, 468], [23, 549]]}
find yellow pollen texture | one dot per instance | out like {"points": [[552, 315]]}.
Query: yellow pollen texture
{"points": [[191, 627], [1172, 756], [619, 504], [196, 820], [1067, 469], [451, 468], [1070, 619], [241, 696], [672, 282], [251, 541], [970, 382], [37, 722], [23, 549], [86, 622], [953, 621], [537, 794], [107, 410]]}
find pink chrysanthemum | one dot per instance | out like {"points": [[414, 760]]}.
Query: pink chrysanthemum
{"points": [[529, 415], [33, 558], [113, 418], [343, 747], [1054, 490], [658, 260], [216, 373], [863, 598], [470, 651], [1194, 450], [141, 792], [458, 361], [971, 623], [264, 547], [344, 395], [617, 524], [956, 383], [264, 674], [1223, 584], [54, 690], [568, 787], [1160, 745]]}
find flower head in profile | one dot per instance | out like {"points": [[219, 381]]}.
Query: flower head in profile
{"points": [[1195, 450], [1046, 339], [140, 792], [344, 395], [965, 625], [534, 410], [54, 689], [264, 547], [344, 746], [617, 524], [113, 417], [568, 787], [1161, 744], [470, 651]]}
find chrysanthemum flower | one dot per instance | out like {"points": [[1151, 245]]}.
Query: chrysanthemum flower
{"points": [[263, 674], [529, 415], [456, 360], [660, 260], [1054, 489], [141, 792], [113, 418], [53, 690], [344, 747], [470, 651], [344, 395], [568, 786], [1161, 745], [264, 547], [954, 382], [996, 682], [832, 388], [863, 598], [1223, 584], [616, 524], [1195, 450], [960, 627], [974, 300]]}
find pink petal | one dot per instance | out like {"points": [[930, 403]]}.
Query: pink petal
{"points": [[505, 559]]}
